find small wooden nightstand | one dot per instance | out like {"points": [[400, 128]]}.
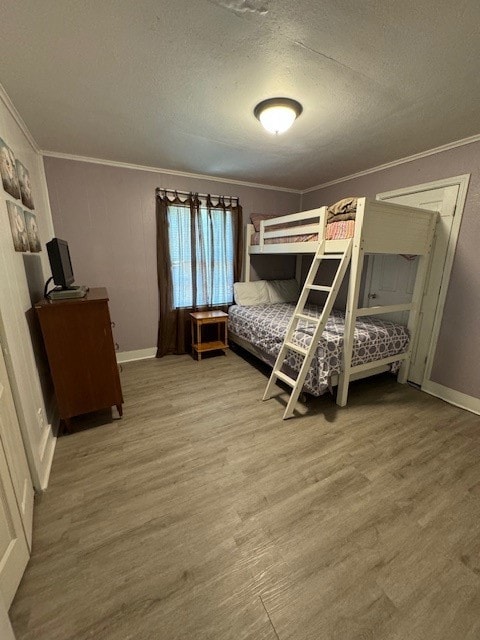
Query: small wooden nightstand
{"points": [[200, 318]]}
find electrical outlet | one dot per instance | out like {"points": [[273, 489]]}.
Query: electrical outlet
{"points": [[40, 418]]}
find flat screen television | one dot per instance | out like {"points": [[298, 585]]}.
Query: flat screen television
{"points": [[60, 263]]}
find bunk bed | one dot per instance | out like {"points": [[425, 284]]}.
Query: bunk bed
{"points": [[298, 344]]}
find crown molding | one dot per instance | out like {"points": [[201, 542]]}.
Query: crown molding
{"points": [[18, 118], [172, 172], [395, 163], [126, 165]]}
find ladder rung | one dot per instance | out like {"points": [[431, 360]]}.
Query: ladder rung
{"points": [[332, 256], [295, 347], [302, 316], [318, 287], [283, 376]]}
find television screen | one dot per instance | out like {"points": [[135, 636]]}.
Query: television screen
{"points": [[60, 263]]}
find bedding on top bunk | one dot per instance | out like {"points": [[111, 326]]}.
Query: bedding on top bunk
{"points": [[340, 225], [335, 231], [265, 326]]}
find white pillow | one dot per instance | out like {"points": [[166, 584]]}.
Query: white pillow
{"points": [[283, 290], [251, 294]]}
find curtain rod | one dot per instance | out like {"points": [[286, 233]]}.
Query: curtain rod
{"points": [[200, 195]]}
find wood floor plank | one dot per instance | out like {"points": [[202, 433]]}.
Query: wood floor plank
{"points": [[203, 515]]}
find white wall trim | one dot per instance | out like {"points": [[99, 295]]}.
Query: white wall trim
{"points": [[256, 185], [428, 186], [47, 458], [457, 398], [172, 172], [47, 449], [139, 354], [18, 119], [395, 163], [126, 165]]}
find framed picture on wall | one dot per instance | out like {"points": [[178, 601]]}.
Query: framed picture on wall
{"points": [[8, 170], [32, 232], [17, 226], [25, 186]]}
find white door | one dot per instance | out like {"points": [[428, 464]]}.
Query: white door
{"points": [[391, 278], [13, 543], [11, 438], [6, 631]]}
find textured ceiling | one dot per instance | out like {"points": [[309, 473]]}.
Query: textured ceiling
{"points": [[173, 83]]}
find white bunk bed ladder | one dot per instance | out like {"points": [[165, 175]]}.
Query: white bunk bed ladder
{"points": [[344, 258]]}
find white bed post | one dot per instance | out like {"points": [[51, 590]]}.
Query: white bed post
{"points": [[248, 241], [356, 268], [414, 314]]}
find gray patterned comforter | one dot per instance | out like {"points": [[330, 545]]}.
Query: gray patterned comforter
{"points": [[265, 327]]}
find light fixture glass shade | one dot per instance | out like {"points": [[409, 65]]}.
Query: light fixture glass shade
{"points": [[277, 114], [277, 119]]}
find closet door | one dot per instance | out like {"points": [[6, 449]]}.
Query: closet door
{"points": [[392, 277], [13, 544], [16, 495], [6, 631], [11, 438]]}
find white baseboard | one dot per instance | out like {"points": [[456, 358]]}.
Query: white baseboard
{"points": [[140, 354], [48, 444], [48, 454], [456, 398]]}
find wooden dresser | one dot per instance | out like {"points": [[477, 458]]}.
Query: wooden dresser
{"points": [[81, 353]]}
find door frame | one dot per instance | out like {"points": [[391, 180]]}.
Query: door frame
{"points": [[462, 181]]}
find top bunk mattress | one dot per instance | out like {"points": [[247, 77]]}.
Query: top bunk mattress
{"points": [[265, 326], [341, 230], [341, 225]]}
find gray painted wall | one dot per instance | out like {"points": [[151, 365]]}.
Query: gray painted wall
{"points": [[107, 215], [457, 359]]}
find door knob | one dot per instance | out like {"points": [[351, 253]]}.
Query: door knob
{"points": [[372, 296]]}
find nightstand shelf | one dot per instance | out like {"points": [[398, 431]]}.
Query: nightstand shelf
{"points": [[201, 318]]}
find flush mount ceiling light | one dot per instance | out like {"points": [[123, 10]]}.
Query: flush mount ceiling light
{"points": [[277, 114]]}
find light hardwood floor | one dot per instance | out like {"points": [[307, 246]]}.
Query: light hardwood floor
{"points": [[202, 515]]}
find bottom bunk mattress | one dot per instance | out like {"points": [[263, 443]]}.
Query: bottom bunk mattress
{"points": [[264, 326]]}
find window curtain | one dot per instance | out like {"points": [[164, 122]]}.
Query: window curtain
{"points": [[199, 256]]}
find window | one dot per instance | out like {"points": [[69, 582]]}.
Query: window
{"points": [[201, 254]]}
